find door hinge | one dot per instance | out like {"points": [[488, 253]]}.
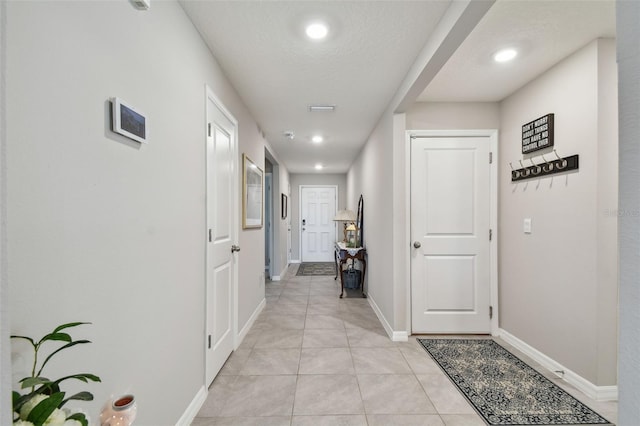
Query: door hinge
{"points": [[209, 234], [490, 312], [209, 129], [490, 234], [209, 343], [491, 158]]}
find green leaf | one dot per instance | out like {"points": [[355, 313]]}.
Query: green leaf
{"points": [[79, 417], [33, 343], [68, 345], [43, 410], [56, 336], [69, 325], [29, 382], [80, 396], [83, 377], [15, 397]]}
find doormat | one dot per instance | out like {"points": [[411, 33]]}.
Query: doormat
{"points": [[317, 268], [502, 388]]}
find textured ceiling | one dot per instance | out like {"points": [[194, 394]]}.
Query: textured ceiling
{"points": [[544, 32], [278, 72], [371, 46]]}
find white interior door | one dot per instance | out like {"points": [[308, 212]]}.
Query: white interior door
{"points": [[317, 228], [221, 265], [450, 231]]}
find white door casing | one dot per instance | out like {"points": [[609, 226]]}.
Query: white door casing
{"points": [[452, 215], [317, 228], [221, 234]]}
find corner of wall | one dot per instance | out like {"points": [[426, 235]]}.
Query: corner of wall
{"points": [[400, 224], [5, 351], [628, 55], [607, 213]]}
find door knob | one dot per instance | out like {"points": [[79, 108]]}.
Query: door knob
{"points": [[235, 248], [417, 244]]}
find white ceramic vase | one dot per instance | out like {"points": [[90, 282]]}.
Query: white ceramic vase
{"points": [[120, 411]]}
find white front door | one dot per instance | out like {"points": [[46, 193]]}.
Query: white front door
{"points": [[222, 225], [317, 228], [450, 227]]}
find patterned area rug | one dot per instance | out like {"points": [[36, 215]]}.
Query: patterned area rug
{"points": [[317, 268], [502, 388]]}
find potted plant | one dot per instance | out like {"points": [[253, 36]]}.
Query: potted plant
{"points": [[42, 401]]}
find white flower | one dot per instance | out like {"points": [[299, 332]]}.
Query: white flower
{"points": [[57, 418], [72, 423], [22, 423], [28, 406]]}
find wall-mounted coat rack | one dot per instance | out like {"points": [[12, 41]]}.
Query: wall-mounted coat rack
{"points": [[546, 168]]}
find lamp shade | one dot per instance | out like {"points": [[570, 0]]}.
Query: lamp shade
{"points": [[345, 215]]}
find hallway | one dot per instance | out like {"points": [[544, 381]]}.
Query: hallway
{"points": [[314, 359]]}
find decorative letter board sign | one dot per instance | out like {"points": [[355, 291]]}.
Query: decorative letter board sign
{"points": [[537, 134]]}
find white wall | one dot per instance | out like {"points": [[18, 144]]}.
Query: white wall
{"points": [[371, 175], [105, 230], [558, 285], [628, 16], [453, 115], [5, 352], [300, 179]]}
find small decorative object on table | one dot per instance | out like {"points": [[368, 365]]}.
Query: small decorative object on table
{"points": [[351, 235], [120, 411], [43, 402]]}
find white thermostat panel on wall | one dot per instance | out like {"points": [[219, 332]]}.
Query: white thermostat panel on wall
{"points": [[128, 121]]}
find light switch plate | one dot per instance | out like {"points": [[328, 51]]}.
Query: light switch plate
{"points": [[527, 225]]}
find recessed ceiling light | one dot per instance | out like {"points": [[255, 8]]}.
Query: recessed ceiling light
{"points": [[318, 166], [505, 55], [317, 31], [317, 139]]}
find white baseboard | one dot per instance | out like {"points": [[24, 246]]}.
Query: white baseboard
{"points": [[400, 336], [282, 273], [242, 334], [598, 393], [295, 261], [192, 410], [395, 336]]}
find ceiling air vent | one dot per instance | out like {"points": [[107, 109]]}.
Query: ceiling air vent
{"points": [[322, 108]]}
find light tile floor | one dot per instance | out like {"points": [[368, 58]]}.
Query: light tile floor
{"points": [[314, 359]]}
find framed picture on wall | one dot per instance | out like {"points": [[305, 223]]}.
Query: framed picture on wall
{"points": [[283, 205], [252, 194]]}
